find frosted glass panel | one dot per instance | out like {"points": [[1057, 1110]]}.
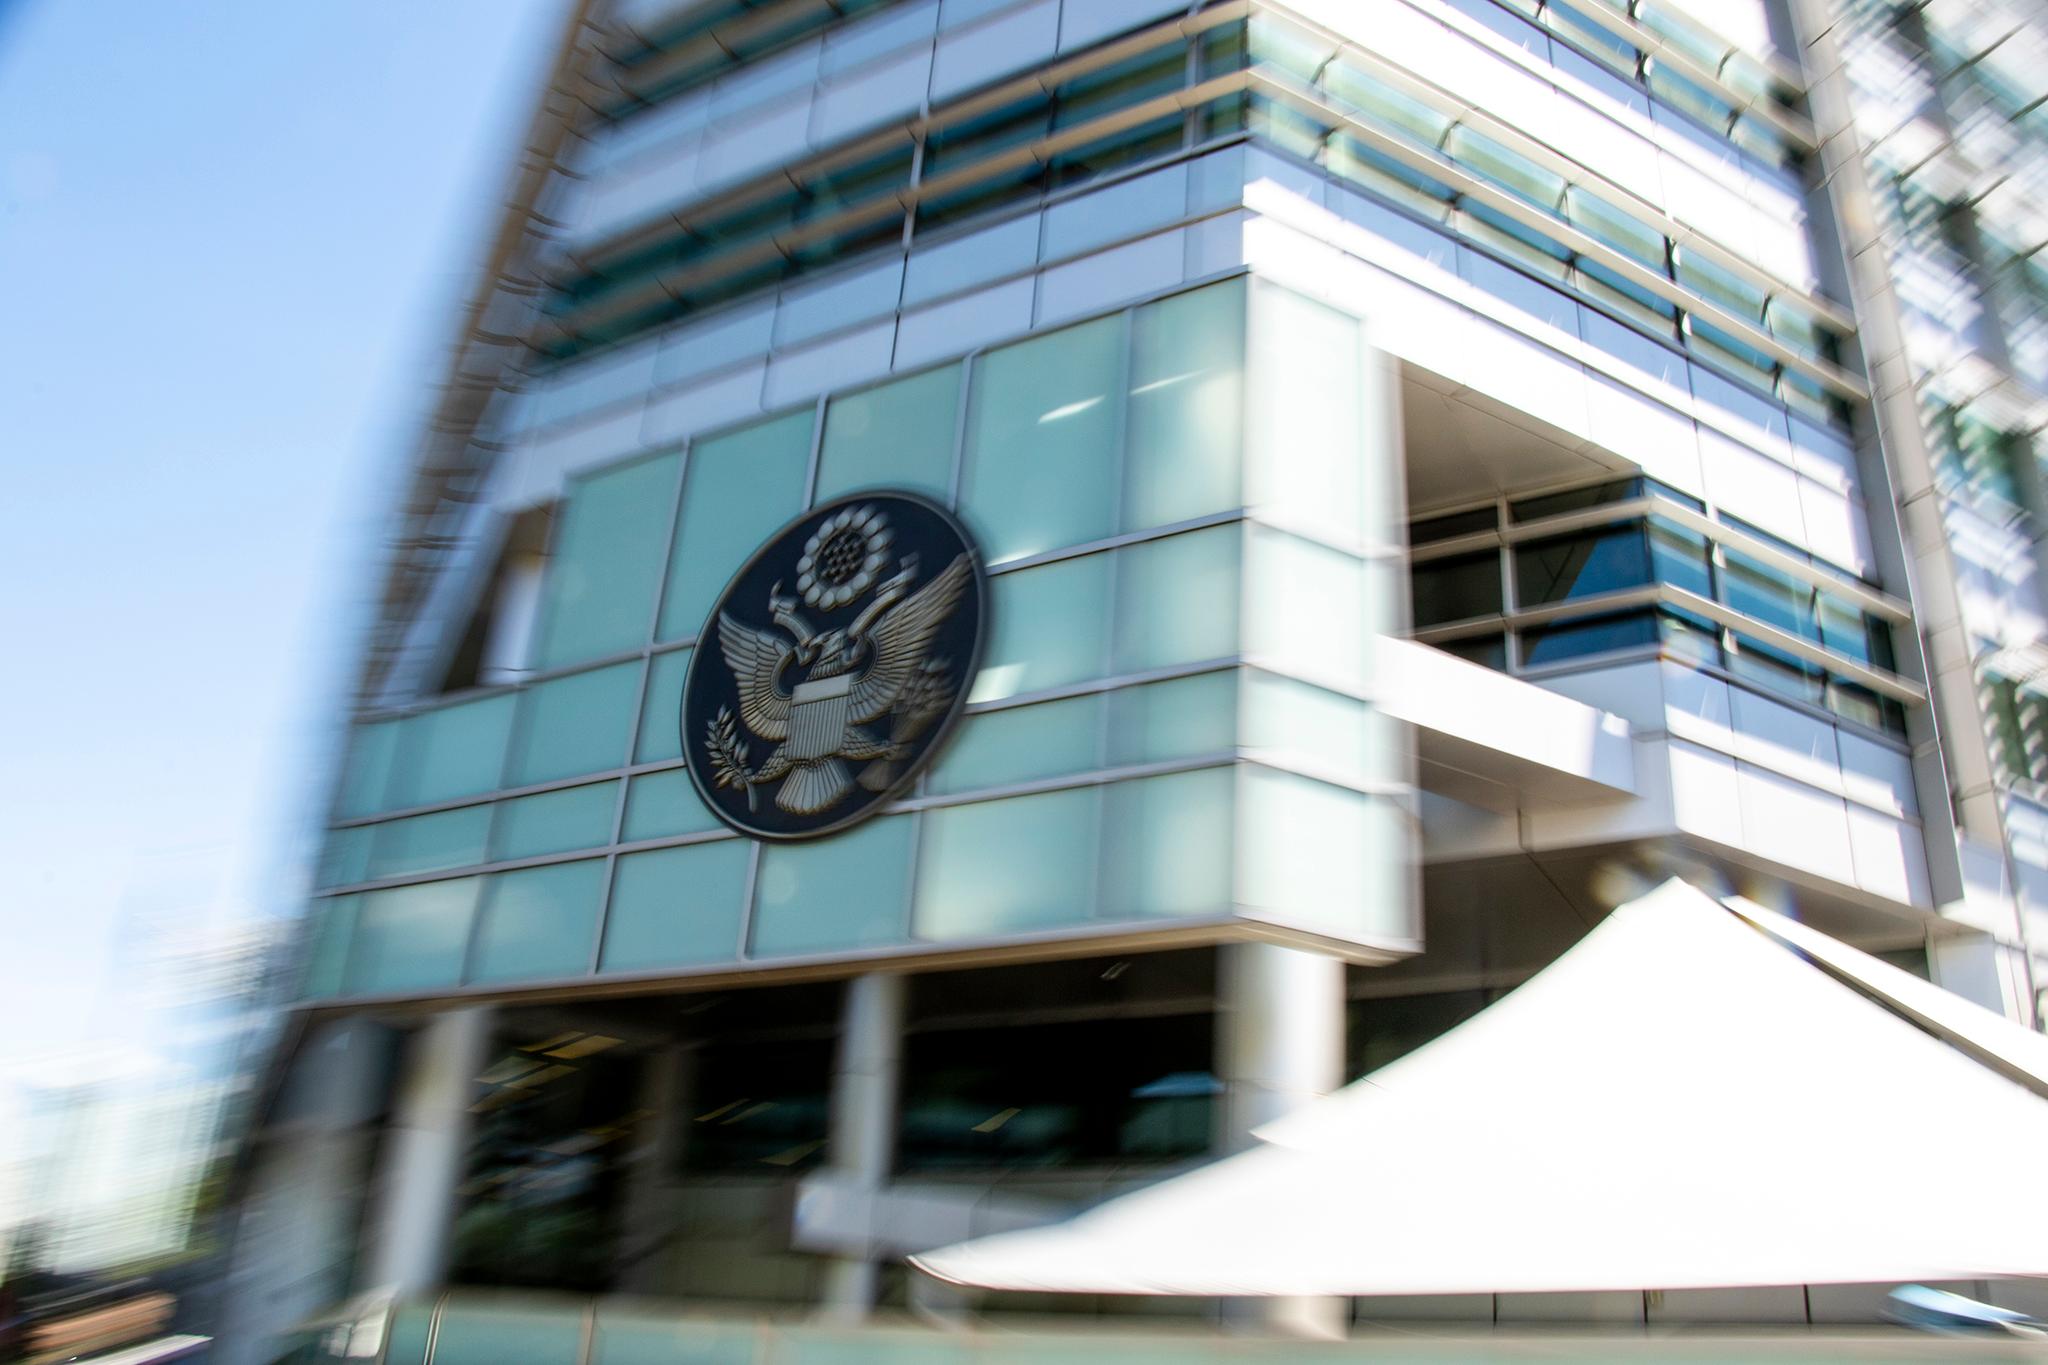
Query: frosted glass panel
{"points": [[660, 738], [452, 751], [1048, 628], [1041, 456], [1177, 719], [412, 937], [577, 724], [663, 804], [1177, 600], [370, 751], [605, 565], [1186, 418], [539, 922], [493, 1333], [333, 924], [1007, 867], [897, 435], [430, 843], [1324, 858], [1305, 414], [1293, 722], [676, 905], [1306, 608], [736, 490], [1167, 851], [848, 891], [555, 822], [1020, 745]]}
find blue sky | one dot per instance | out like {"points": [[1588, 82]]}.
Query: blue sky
{"points": [[233, 236]]}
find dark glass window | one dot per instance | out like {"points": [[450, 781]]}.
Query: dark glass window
{"points": [[1768, 594], [1574, 499], [1380, 1031], [1591, 635], [758, 1105], [1456, 588], [1490, 651], [547, 1164], [1452, 524], [1583, 565], [1680, 557], [1057, 1094]]}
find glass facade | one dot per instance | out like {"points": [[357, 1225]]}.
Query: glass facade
{"points": [[1119, 474]]}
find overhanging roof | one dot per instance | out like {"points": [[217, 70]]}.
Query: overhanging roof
{"points": [[1680, 1101]]}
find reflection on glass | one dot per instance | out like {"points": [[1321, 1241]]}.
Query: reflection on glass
{"points": [[896, 435], [1168, 845], [578, 724], [737, 489], [1177, 600], [1006, 867], [452, 751], [1186, 433], [1020, 745], [412, 937], [1587, 635], [1581, 565], [605, 564], [1041, 451], [674, 906], [539, 922], [430, 843], [1047, 628], [826, 894]]}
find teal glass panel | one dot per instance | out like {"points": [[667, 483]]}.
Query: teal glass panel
{"points": [[1305, 416], [452, 751], [605, 565], [1180, 718], [661, 737], [368, 782], [896, 435], [626, 1337], [1167, 849], [848, 891], [412, 937], [660, 805], [1041, 452], [405, 1340], [578, 724], [1176, 600], [1186, 433], [345, 859], [1007, 867], [555, 822], [1308, 608], [331, 923], [737, 489], [1048, 629], [492, 1333], [431, 843], [674, 906], [1020, 745], [539, 921]]}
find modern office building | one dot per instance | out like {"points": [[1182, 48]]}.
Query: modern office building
{"points": [[1002, 590]]}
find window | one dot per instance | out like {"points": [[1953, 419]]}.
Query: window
{"points": [[1581, 565], [1456, 588], [598, 597], [676, 906], [737, 489]]}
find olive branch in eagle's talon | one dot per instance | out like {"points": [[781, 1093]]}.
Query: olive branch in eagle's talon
{"points": [[728, 755]]}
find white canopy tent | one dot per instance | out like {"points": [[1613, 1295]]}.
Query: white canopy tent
{"points": [[1680, 1101]]}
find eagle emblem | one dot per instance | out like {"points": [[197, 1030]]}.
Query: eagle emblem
{"points": [[840, 707]]}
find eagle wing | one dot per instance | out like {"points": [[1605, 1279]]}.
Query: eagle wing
{"points": [[903, 637], [756, 658]]}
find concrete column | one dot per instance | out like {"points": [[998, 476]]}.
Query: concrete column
{"points": [[426, 1151], [1279, 1046], [862, 1143]]}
